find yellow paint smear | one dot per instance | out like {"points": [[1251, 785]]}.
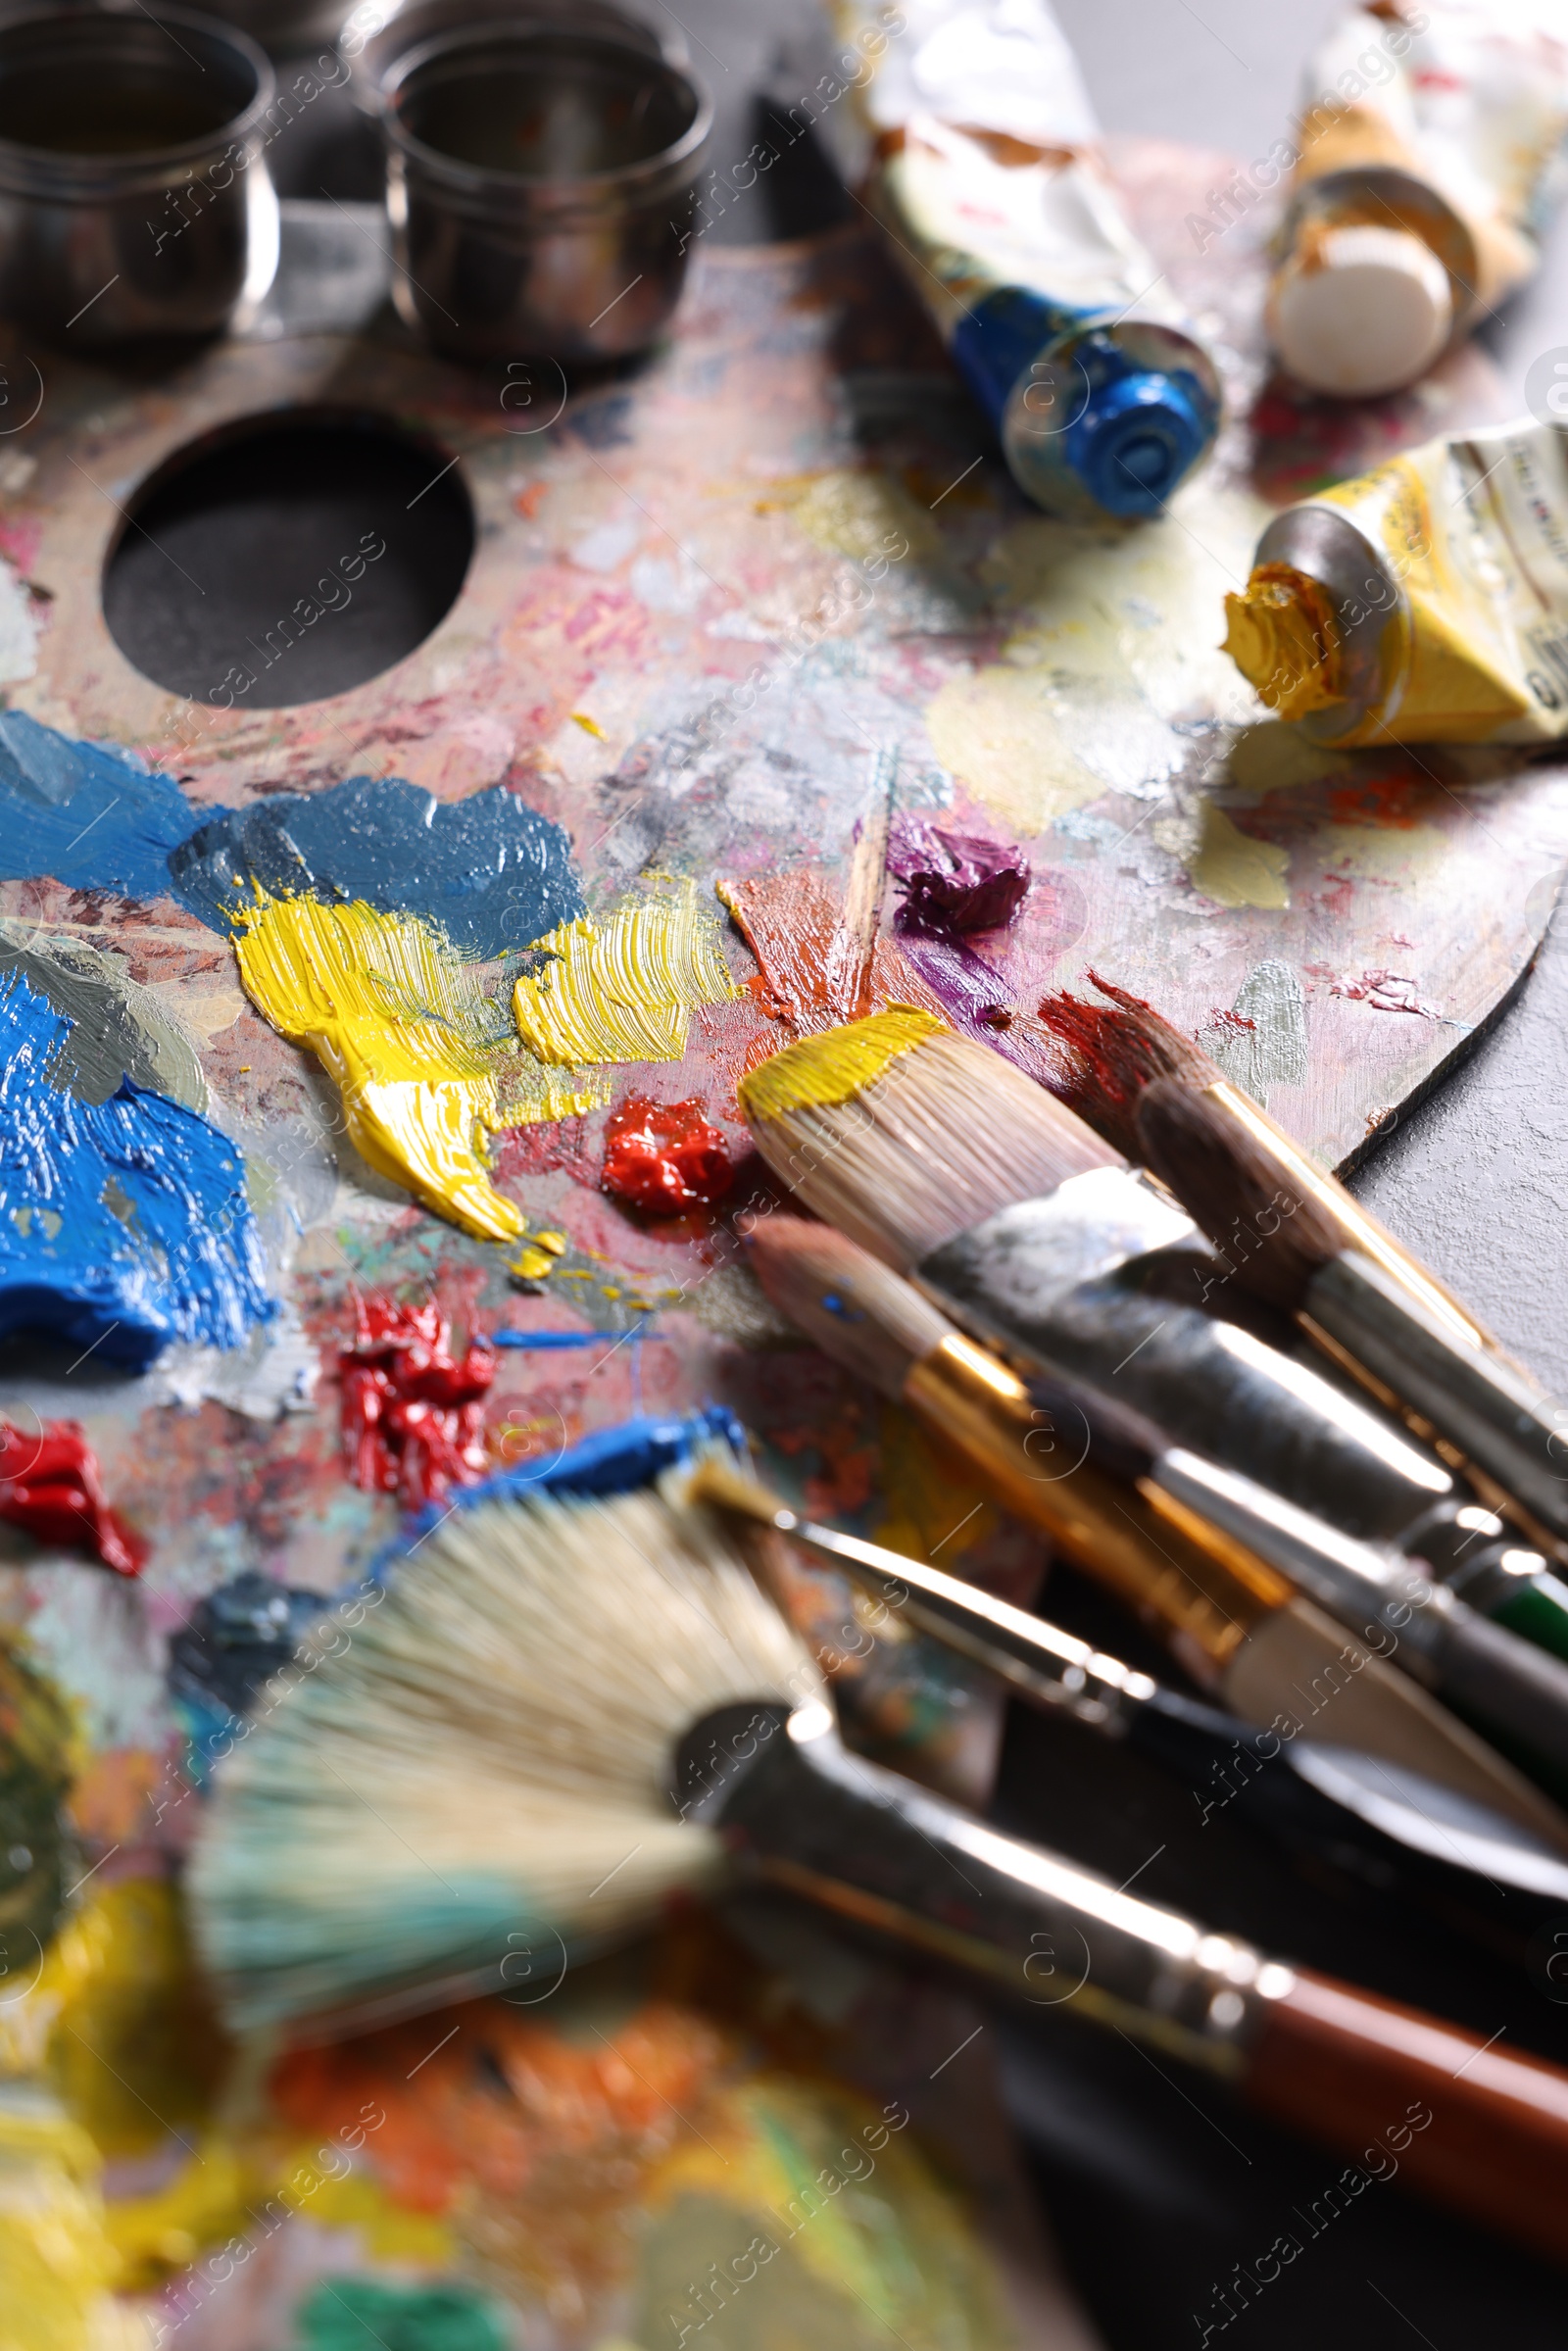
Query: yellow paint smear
{"points": [[1232, 869], [399, 1020], [837, 1064], [624, 992], [57, 2263]]}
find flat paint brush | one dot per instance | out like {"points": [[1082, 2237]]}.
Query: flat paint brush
{"points": [[1407, 1836], [486, 1769], [1090, 1475], [1292, 1235], [1039, 1241]]}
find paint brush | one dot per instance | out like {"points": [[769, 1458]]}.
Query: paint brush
{"points": [[482, 1777], [1039, 1239], [1288, 1233], [1095, 1476], [1403, 1835]]}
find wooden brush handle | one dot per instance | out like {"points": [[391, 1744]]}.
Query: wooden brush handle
{"points": [[1360, 2073]]}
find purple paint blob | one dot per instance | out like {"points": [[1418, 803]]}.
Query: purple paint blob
{"points": [[956, 881]]}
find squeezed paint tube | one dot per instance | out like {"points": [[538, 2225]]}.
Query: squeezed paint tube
{"points": [[1426, 602], [987, 179], [1428, 151]]}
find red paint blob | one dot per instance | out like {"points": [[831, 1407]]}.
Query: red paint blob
{"points": [[50, 1483], [664, 1157], [412, 1416]]}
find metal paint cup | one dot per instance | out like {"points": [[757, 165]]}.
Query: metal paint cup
{"points": [[284, 27], [133, 201], [536, 179], [380, 33]]}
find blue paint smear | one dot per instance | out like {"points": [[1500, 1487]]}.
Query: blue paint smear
{"points": [[490, 870], [615, 1461], [123, 1224], [546, 1341], [94, 817]]}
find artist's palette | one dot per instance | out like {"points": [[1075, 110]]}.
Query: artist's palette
{"points": [[715, 604]]}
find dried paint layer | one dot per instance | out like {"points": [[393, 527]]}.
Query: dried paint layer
{"points": [[118, 1029], [123, 1224], [403, 1026], [833, 1068], [93, 817], [625, 992], [490, 872]]}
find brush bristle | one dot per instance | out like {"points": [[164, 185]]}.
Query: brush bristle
{"points": [[1116, 1049], [941, 1137], [484, 1767], [845, 1301], [1276, 1236]]}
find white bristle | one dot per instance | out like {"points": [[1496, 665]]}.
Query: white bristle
{"points": [[942, 1139], [485, 1763]]}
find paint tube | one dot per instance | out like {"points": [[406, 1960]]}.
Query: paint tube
{"points": [[1428, 151], [1426, 602], [987, 179]]}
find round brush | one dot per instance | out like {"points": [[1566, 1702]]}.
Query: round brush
{"points": [[1403, 1837], [1288, 1233], [1171, 1534], [482, 1776]]}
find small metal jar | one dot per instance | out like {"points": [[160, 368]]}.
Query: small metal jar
{"points": [[540, 184], [379, 33], [134, 203]]}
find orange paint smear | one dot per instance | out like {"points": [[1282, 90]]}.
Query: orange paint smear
{"points": [[791, 922], [505, 2101]]}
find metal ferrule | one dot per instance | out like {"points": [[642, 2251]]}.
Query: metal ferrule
{"points": [[1040, 1661], [1371, 1591], [1495, 1416], [1042, 1471], [1065, 1287], [802, 1812], [1325, 544], [1091, 1227]]}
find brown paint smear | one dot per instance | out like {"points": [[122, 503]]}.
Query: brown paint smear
{"points": [[813, 972]]}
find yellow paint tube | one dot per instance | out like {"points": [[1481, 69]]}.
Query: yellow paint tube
{"points": [[419, 1052], [1426, 602], [626, 992], [1426, 152]]}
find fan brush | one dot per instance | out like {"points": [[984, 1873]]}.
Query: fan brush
{"points": [[484, 1767]]}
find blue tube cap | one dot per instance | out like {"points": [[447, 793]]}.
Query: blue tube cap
{"points": [[1138, 440], [1111, 420]]}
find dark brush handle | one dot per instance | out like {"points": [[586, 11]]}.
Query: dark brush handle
{"points": [[1201, 1383], [1497, 1416], [1359, 2074]]}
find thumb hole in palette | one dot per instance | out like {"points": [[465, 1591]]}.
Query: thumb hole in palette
{"points": [[287, 558]]}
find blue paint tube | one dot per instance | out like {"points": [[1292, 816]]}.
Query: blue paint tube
{"points": [[987, 179]]}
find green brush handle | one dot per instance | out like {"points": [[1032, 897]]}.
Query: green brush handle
{"points": [[1526, 1599]]}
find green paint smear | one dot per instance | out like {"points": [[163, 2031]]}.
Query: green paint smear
{"points": [[36, 1743], [358, 2314]]}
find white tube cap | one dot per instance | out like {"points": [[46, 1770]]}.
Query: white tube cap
{"points": [[1360, 311]]}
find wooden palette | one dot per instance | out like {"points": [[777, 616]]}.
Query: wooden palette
{"points": [[706, 597]]}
